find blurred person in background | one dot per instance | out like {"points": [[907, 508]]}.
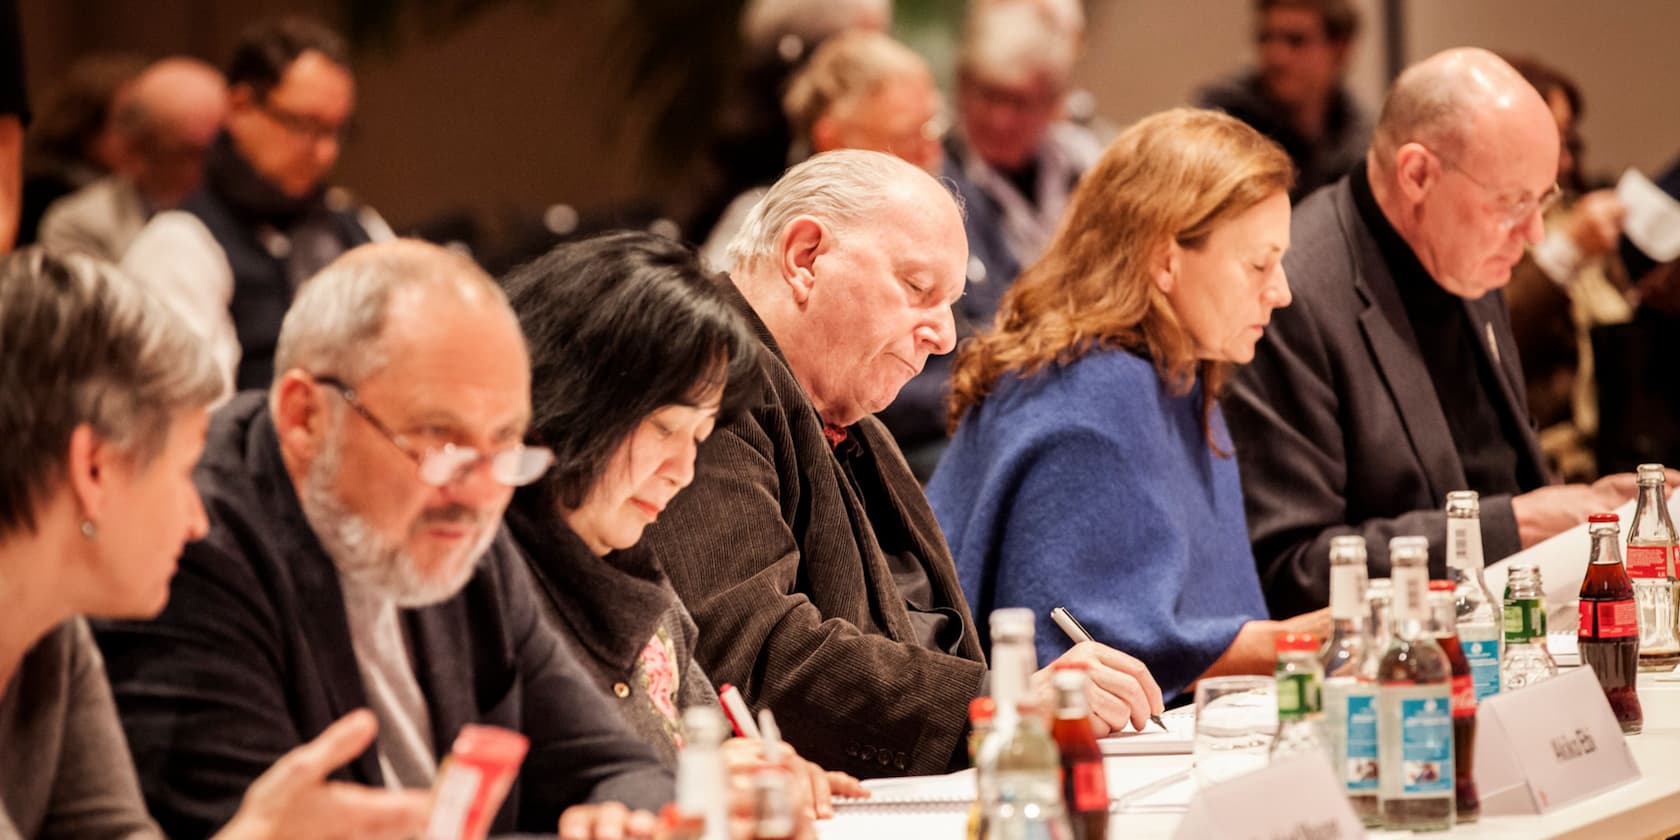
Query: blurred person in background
{"points": [[165, 125], [231, 258], [1297, 95], [14, 116], [72, 140], [1014, 162], [860, 90]]}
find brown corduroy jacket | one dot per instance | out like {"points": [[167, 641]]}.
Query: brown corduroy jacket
{"points": [[773, 552]]}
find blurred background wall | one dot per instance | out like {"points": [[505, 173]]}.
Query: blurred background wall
{"points": [[496, 109]]}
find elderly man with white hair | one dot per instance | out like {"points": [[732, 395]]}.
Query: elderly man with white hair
{"points": [[355, 557], [1394, 377], [805, 549]]}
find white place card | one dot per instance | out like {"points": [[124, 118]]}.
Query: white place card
{"points": [[1289, 800], [1547, 745]]}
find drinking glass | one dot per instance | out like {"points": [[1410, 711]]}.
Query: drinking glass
{"points": [[1236, 718]]}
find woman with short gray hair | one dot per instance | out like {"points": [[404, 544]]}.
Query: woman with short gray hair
{"points": [[104, 410]]}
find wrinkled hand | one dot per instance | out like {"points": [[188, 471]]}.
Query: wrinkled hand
{"points": [[1546, 511], [606, 821], [1595, 222], [294, 799], [1121, 688]]}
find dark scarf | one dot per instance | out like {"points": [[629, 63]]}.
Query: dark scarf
{"points": [[612, 605], [228, 174]]}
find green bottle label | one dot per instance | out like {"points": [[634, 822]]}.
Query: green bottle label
{"points": [[1525, 620], [1298, 696]]}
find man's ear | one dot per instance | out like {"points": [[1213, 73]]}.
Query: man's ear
{"points": [[802, 241], [89, 464], [1163, 266], [300, 415], [1415, 171]]}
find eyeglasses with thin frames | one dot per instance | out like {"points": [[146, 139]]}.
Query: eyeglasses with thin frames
{"points": [[515, 466], [306, 126], [1517, 213]]}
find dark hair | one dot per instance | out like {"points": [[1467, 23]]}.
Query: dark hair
{"points": [[82, 344], [76, 109], [1341, 19], [268, 47], [620, 325]]}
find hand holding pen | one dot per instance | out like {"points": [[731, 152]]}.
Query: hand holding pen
{"points": [[1113, 673]]}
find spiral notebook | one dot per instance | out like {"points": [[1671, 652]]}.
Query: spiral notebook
{"points": [[951, 791]]}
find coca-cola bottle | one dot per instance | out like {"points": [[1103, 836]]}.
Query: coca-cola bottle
{"points": [[1609, 634], [1650, 563], [1443, 619], [1084, 785]]}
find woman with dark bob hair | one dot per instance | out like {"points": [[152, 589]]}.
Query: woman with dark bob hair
{"points": [[104, 412], [1091, 467], [635, 354]]}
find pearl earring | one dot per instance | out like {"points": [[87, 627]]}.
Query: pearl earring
{"points": [[89, 530]]}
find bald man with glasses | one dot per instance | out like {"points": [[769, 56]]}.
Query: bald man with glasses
{"points": [[1394, 377]]}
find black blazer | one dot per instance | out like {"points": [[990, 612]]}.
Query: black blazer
{"points": [[775, 556], [252, 657], [1336, 423]]}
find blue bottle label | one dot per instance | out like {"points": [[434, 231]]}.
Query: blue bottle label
{"points": [[1484, 666], [1426, 744], [1362, 743]]}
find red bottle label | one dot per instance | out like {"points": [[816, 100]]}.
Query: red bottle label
{"points": [[1090, 787], [1647, 561], [1615, 619], [1463, 696]]}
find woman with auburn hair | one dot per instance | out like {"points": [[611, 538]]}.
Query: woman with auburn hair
{"points": [[1091, 467]]}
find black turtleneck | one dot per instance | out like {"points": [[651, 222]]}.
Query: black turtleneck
{"points": [[1463, 374]]}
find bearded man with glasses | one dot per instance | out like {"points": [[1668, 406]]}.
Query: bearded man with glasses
{"points": [[1394, 377], [231, 258], [355, 557]]}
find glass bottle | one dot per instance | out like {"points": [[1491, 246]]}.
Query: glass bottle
{"points": [[701, 808], [1609, 630], [1527, 661], [1084, 785], [1443, 620], [1364, 773], [1019, 776], [1299, 698], [1650, 563], [1479, 614], [1414, 702], [981, 712], [1343, 657]]}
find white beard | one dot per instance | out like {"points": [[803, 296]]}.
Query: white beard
{"points": [[367, 560]]}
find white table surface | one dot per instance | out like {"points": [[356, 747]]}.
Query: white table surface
{"points": [[1649, 807]]}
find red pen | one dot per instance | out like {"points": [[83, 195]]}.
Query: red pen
{"points": [[736, 708]]}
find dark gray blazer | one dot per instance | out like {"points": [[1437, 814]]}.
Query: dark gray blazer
{"points": [[252, 657], [775, 556], [1337, 426]]}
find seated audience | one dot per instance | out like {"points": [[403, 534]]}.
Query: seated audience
{"points": [[805, 549], [1394, 378], [235, 252], [1298, 94], [106, 406], [635, 354], [165, 125], [355, 557], [72, 140], [860, 90], [1090, 466], [1014, 162]]}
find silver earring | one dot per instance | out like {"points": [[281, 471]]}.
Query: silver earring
{"points": [[89, 530]]}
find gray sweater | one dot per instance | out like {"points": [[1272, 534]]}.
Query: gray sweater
{"points": [[65, 770], [624, 622]]}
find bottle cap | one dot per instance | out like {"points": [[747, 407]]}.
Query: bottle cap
{"points": [[1604, 517], [1441, 586], [1294, 642], [981, 709]]}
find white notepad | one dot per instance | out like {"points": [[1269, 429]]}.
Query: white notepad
{"points": [[1176, 739], [952, 790]]}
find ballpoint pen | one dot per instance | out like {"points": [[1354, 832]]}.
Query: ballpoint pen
{"points": [[1078, 633]]}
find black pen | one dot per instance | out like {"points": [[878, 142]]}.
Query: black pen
{"points": [[1078, 633]]}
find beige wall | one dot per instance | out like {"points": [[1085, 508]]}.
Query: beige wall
{"points": [[1146, 55]]}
